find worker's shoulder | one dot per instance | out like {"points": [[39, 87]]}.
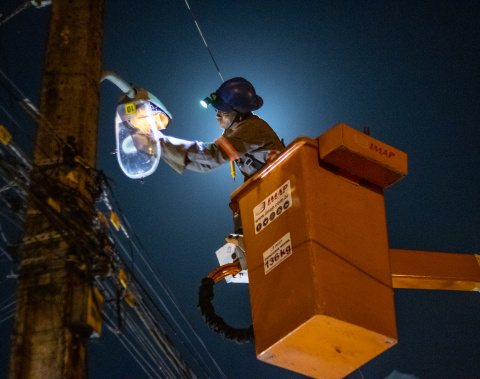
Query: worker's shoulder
{"points": [[253, 122], [255, 119]]}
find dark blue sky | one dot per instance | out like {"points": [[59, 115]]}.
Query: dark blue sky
{"points": [[408, 70]]}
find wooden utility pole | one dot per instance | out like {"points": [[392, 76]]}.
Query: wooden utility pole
{"points": [[55, 277]]}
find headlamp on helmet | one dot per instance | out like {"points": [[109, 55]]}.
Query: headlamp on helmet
{"points": [[209, 100]]}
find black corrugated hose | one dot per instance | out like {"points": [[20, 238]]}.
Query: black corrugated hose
{"points": [[215, 322]]}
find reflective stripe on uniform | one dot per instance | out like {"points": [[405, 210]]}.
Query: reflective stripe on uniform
{"points": [[227, 147]]}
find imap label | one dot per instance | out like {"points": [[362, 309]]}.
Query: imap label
{"points": [[272, 207]]}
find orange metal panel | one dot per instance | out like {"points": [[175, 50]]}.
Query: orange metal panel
{"points": [[435, 271], [317, 254], [326, 347], [319, 315], [362, 155]]}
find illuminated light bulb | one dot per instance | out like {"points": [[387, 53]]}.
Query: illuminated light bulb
{"points": [[141, 121], [161, 120]]}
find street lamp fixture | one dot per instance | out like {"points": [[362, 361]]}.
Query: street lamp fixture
{"points": [[139, 118]]}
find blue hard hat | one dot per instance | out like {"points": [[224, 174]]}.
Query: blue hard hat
{"points": [[236, 94]]}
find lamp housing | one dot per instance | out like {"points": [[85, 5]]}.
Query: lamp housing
{"points": [[138, 123]]}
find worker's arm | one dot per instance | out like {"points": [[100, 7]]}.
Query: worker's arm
{"points": [[253, 136], [174, 152], [193, 155]]}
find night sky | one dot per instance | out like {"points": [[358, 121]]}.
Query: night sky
{"points": [[408, 70]]}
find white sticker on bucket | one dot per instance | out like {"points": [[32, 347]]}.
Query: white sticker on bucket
{"points": [[272, 207], [277, 253]]}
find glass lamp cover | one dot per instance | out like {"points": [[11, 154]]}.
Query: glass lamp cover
{"points": [[137, 137]]}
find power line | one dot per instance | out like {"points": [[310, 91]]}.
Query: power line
{"points": [[145, 258], [170, 297], [7, 311], [203, 38], [36, 3], [144, 312], [69, 226], [62, 224], [137, 356], [8, 317], [134, 332]]}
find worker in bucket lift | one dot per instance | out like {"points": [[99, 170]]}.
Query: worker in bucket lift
{"points": [[246, 140]]}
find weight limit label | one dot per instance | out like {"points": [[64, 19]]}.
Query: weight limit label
{"points": [[276, 254], [272, 207]]}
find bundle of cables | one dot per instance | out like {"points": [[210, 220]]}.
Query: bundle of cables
{"points": [[215, 322]]}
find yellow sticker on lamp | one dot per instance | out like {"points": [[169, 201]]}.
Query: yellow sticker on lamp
{"points": [[130, 108]]}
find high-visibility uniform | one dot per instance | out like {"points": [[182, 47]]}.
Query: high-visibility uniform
{"points": [[249, 144]]}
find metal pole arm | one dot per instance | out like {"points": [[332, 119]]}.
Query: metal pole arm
{"points": [[126, 88], [435, 271]]}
